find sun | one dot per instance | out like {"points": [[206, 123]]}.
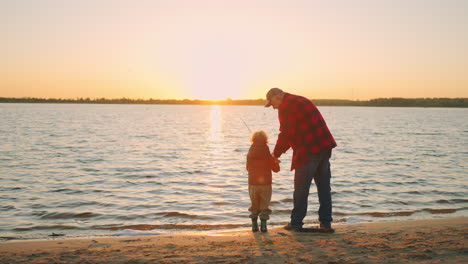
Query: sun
{"points": [[216, 93], [213, 95]]}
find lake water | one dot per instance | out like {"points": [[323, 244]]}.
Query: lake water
{"points": [[108, 169]]}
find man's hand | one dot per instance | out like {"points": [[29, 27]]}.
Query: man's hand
{"points": [[275, 167], [275, 159]]}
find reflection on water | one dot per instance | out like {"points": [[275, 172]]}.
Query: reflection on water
{"points": [[104, 167], [216, 137], [215, 144], [216, 134]]}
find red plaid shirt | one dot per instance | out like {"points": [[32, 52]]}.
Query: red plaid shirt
{"points": [[302, 128]]}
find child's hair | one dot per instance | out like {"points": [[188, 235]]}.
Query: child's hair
{"points": [[259, 136]]}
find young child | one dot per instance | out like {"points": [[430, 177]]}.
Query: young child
{"points": [[260, 163]]}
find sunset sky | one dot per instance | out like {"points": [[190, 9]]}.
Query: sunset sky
{"points": [[213, 49]]}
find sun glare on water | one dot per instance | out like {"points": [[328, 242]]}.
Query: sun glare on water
{"points": [[216, 134]]}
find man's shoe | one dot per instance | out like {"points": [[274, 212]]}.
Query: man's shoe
{"points": [[326, 228], [293, 228]]}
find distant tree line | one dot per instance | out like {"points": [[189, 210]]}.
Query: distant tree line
{"points": [[398, 102], [388, 102], [131, 101]]}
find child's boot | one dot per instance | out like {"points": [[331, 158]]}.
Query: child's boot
{"points": [[254, 225], [263, 225]]}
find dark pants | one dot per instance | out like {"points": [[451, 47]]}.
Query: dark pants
{"points": [[317, 168]]}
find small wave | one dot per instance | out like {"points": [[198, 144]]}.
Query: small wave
{"points": [[151, 176], [99, 191], [69, 215], [439, 211], [172, 226], [131, 169], [85, 161], [408, 213], [66, 190], [425, 134], [52, 227], [137, 206], [7, 238], [452, 201], [138, 176], [37, 206], [447, 193], [78, 204], [287, 200], [220, 203], [391, 184], [398, 202], [389, 214], [130, 217], [129, 232], [66, 167], [7, 207], [282, 211], [152, 182], [90, 170], [10, 188], [434, 155], [339, 214], [182, 215], [222, 186], [192, 172], [412, 192], [347, 191], [368, 190]]}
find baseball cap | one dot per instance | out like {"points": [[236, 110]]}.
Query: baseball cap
{"points": [[272, 92]]}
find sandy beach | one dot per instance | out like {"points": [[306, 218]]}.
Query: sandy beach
{"points": [[422, 241]]}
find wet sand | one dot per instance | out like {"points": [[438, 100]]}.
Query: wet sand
{"points": [[422, 241]]}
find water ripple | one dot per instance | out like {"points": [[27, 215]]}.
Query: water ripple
{"points": [[98, 167]]}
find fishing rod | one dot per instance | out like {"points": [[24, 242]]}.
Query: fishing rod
{"points": [[245, 124]]}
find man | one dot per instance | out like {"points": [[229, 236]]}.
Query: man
{"points": [[303, 129]]}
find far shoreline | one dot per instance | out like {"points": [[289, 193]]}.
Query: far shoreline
{"points": [[378, 102]]}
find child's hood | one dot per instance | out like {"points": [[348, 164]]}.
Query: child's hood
{"points": [[259, 150]]}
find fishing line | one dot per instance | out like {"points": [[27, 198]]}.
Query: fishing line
{"points": [[245, 124]]}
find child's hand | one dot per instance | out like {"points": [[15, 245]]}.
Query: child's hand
{"points": [[275, 159], [275, 167]]}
